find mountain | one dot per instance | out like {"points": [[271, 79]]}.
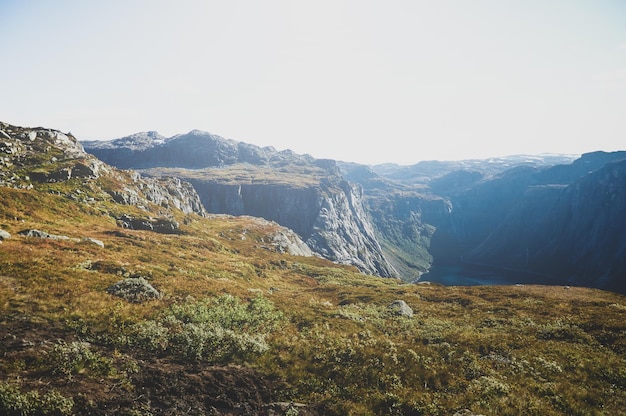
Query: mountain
{"points": [[426, 171], [574, 231], [564, 222], [131, 305], [392, 220], [304, 194]]}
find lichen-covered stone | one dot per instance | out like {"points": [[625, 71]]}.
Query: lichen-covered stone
{"points": [[134, 289], [400, 308]]}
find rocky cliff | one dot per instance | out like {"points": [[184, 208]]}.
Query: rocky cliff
{"points": [[402, 219], [565, 222], [575, 231], [299, 192], [56, 162], [328, 215]]}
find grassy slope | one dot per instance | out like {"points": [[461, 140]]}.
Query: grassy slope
{"points": [[493, 350]]}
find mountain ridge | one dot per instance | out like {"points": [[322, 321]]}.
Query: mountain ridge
{"points": [[406, 218]]}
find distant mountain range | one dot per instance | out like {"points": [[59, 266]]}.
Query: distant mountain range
{"points": [[557, 216]]}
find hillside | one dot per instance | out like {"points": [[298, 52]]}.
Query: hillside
{"points": [[216, 318]]}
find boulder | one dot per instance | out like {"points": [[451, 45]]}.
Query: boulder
{"points": [[94, 241], [134, 289], [158, 225], [42, 234], [82, 170], [4, 235], [400, 308], [286, 241]]}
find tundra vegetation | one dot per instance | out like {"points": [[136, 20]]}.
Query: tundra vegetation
{"points": [[237, 328]]}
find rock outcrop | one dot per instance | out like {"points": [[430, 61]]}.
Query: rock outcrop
{"points": [[42, 234], [159, 225], [33, 156], [134, 289], [401, 308]]}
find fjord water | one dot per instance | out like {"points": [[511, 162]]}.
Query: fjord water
{"points": [[473, 275]]}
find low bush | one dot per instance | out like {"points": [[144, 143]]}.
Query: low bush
{"points": [[76, 358], [15, 403], [214, 330]]}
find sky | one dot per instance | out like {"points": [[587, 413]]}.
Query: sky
{"points": [[363, 81]]}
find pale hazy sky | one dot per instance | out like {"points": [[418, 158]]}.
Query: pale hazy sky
{"points": [[363, 81]]}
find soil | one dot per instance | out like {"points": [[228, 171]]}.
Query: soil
{"points": [[157, 387]]}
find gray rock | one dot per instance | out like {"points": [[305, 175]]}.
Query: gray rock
{"points": [[89, 240], [134, 289], [4, 235], [158, 225], [286, 241], [166, 192], [82, 170], [400, 308], [61, 175], [42, 234]]}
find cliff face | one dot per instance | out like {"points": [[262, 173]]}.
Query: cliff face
{"points": [[342, 229], [402, 219], [574, 231], [565, 222], [328, 216], [299, 192]]}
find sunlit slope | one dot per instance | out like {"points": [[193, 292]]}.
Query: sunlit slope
{"points": [[288, 328]]}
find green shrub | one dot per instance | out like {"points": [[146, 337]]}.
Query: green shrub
{"points": [[488, 386], [77, 357], [215, 330], [15, 403], [564, 331]]}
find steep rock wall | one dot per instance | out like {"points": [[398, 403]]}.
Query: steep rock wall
{"points": [[329, 217], [566, 222], [575, 232]]}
